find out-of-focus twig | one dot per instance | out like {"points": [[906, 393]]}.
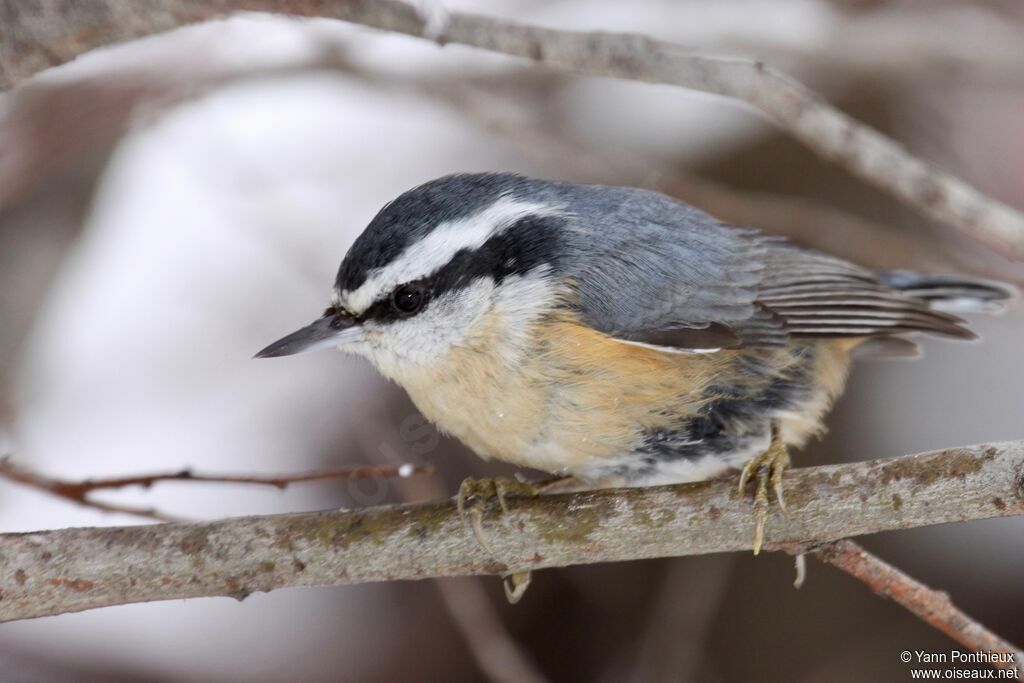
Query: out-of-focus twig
{"points": [[932, 606], [496, 652], [493, 648], [901, 43], [684, 609], [51, 128], [810, 223], [34, 131], [35, 34], [79, 491]]}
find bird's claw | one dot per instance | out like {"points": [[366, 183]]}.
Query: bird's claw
{"points": [[516, 585], [469, 505], [475, 498], [766, 469]]}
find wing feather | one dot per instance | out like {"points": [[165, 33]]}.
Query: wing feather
{"points": [[663, 273]]}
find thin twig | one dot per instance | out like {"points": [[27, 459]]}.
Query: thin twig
{"points": [[36, 35], [72, 491], [932, 606], [78, 491], [69, 570]]}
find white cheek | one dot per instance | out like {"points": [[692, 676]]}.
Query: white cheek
{"points": [[521, 300], [403, 349], [421, 342]]}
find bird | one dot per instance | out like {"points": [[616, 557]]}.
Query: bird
{"points": [[615, 335]]}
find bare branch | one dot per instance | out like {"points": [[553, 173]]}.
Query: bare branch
{"points": [[908, 44], [68, 570], [74, 492], [78, 491], [35, 35], [812, 224], [932, 606]]}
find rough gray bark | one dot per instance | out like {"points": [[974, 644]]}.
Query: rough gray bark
{"points": [[35, 34], [68, 570]]}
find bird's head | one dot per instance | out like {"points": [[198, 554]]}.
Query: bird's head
{"points": [[437, 267]]}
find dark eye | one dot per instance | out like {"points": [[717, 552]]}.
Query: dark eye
{"points": [[407, 298]]}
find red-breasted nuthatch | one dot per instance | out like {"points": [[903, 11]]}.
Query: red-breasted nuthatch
{"points": [[615, 334]]}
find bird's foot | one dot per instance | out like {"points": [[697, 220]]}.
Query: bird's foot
{"points": [[477, 497], [766, 470]]}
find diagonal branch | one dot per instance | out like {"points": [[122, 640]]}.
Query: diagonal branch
{"points": [[932, 606], [34, 35], [875, 245], [69, 570]]}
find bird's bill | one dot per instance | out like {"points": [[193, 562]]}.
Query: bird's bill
{"points": [[328, 331]]}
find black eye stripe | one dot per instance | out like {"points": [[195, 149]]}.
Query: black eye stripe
{"points": [[530, 242], [414, 214], [380, 311]]}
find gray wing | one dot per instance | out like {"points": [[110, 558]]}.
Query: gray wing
{"points": [[655, 271]]}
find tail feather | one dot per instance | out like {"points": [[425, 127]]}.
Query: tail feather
{"points": [[945, 296], [953, 293]]}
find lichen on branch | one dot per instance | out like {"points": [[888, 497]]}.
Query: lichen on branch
{"points": [[68, 570]]}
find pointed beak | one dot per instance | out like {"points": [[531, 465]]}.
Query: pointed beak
{"points": [[331, 330]]}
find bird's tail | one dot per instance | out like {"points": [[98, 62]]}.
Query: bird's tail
{"points": [[953, 293], [948, 294]]}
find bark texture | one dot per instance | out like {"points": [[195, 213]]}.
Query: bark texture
{"points": [[68, 570]]}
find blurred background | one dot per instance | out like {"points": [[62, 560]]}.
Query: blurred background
{"points": [[170, 206]]}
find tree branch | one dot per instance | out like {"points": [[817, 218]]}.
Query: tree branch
{"points": [[932, 606], [68, 570], [34, 35], [78, 491], [870, 244]]}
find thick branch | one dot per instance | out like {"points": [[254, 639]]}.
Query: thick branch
{"points": [[68, 570], [34, 35]]}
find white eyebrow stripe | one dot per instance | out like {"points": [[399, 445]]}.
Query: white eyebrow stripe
{"points": [[435, 250]]}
